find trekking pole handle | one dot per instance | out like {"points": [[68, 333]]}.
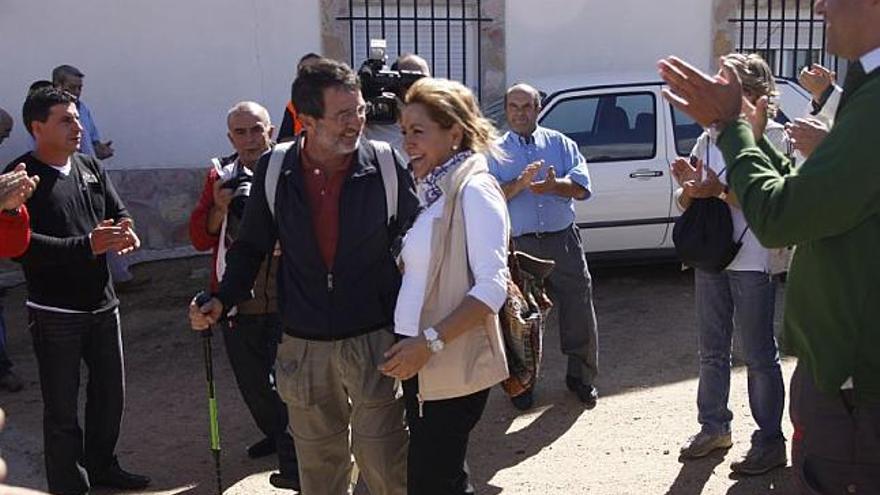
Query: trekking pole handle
{"points": [[201, 299]]}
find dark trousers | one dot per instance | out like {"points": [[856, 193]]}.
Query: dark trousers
{"points": [[252, 344], [438, 441], [836, 444], [61, 341], [5, 363], [571, 289]]}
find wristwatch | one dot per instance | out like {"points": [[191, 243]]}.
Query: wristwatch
{"points": [[435, 344]]}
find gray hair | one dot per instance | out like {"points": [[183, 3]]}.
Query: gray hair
{"points": [[525, 88], [249, 107]]}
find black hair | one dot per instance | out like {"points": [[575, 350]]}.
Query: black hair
{"points": [[39, 103], [307, 56], [40, 84], [62, 72], [307, 92]]}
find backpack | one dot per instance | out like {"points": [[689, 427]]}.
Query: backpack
{"points": [[387, 170], [523, 317], [703, 234]]}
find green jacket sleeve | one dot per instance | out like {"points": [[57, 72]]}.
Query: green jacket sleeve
{"points": [[833, 191], [770, 144]]}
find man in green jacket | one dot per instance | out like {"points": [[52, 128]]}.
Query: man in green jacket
{"points": [[829, 207]]}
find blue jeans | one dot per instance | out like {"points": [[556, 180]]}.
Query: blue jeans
{"points": [[746, 300]]}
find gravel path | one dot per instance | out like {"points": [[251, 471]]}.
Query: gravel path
{"points": [[628, 445]]}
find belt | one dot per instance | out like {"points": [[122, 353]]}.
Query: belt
{"points": [[337, 337], [541, 235]]}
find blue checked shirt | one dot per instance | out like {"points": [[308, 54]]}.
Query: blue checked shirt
{"points": [[539, 213]]}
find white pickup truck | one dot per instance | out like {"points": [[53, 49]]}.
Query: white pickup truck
{"points": [[629, 135]]}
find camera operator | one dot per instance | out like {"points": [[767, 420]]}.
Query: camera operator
{"points": [[252, 334], [388, 130]]}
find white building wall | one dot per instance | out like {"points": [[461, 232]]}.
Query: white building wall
{"points": [[160, 74], [557, 37]]}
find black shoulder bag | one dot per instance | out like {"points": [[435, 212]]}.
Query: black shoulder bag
{"points": [[703, 234]]}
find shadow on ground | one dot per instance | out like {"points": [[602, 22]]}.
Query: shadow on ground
{"points": [[646, 340]]}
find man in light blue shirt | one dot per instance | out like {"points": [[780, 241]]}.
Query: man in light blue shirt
{"points": [[70, 79], [542, 175]]}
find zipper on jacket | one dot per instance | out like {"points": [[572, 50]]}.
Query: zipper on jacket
{"points": [[330, 282], [421, 405]]}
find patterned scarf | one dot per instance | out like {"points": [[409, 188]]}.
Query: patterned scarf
{"points": [[429, 186]]}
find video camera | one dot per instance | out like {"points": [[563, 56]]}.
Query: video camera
{"points": [[383, 87]]}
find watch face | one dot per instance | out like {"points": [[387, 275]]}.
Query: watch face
{"points": [[436, 345]]}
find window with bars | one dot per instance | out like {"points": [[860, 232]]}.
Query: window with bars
{"points": [[787, 33], [446, 33]]}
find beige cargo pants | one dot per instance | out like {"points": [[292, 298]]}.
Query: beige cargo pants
{"points": [[331, 387]]}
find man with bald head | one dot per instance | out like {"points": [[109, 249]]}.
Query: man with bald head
{"points": [[253, 333], [542, 175]]}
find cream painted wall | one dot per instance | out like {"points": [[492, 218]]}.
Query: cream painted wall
{"points": [[160, 74], [547, 38]]}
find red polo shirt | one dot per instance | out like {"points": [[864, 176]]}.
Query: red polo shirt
{"points": [[323, 192]]}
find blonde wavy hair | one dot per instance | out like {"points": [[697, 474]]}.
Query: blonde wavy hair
{"points": [[449, 103], [757, 78]]}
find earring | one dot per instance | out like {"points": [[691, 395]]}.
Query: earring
{"points": [[454, 147]]}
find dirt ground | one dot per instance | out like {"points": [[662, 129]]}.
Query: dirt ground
{"points": [[627, 445]]}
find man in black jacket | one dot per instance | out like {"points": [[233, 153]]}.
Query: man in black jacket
{"points": [[76, 217], [337, 286]]}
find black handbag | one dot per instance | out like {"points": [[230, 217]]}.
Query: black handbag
{"points": [[703, 235]]}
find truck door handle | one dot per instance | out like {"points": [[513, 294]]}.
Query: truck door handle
{"points": [[646, 174]]}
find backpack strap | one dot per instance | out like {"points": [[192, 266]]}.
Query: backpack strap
{"points": [[273, 171], [218, 166], [388, 169]]}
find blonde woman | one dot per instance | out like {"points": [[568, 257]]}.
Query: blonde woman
{"points": [[745, 289], [454, 283]]}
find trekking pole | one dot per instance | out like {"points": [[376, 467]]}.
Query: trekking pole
{"points": [[201, 300]]}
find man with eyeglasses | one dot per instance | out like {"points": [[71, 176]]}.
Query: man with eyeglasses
{"points": [[337, 285]]}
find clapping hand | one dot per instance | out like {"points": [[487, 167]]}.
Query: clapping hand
{"points": [[709, 100], [806, 134], [816, 79], [690, 178], [756, 115], [684, 172], [118, 237], [546, 186], [127, 226], [528, 174], [16, 187]]}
